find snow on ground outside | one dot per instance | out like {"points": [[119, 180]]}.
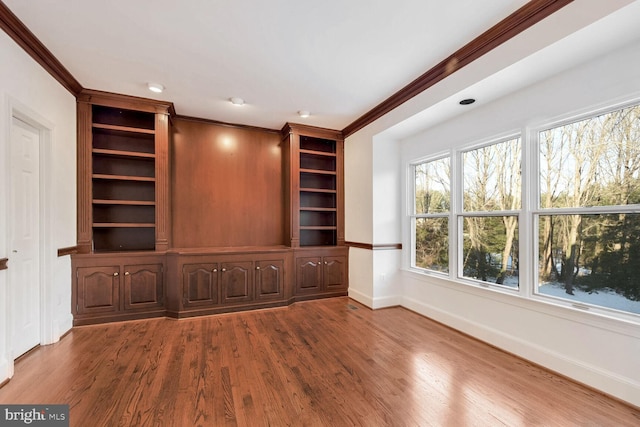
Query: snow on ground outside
{"points": [[603, 297]]}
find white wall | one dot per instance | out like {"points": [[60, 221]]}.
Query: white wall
{"points": [[358, 220], [598, 351], [27, 88], [372, 217]]}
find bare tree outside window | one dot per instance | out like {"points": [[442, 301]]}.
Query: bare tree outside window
{"points": [[431, 222], [492, 185], [589, 235]]}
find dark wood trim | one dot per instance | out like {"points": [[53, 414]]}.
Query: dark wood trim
{"points": [[376, 247], [218, 123], [30, 43], [359, 245], [528, 15], [319, 132], [3, 263], [71, 250], [110, 99]]}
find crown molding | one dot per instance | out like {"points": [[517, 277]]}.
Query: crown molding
{"points": [[528, 15], [15, 29]]}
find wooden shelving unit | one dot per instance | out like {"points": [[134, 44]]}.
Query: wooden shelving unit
{"points": [[122, 174], [116, 163], [315, 159]]}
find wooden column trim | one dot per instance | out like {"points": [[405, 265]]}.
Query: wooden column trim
{"points": [[375, 247], [528, 15], [34, 47], [84, 185], [3, 263], [162, 181]]}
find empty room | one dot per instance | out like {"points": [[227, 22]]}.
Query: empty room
{"points": [[367, 213]]}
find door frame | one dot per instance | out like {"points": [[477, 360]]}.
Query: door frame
{"points": [[46, 251]]}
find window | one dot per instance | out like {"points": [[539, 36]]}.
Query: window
{"points": [[491, 199], [588, 226], [430, 219], [561, 224]]}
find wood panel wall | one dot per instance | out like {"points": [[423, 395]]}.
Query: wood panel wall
{"points": [[226, 185]]}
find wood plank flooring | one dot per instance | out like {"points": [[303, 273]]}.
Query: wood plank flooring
{"points": [[319, 363]]}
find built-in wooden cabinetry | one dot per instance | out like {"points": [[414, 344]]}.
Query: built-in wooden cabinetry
{"points": [[215, 280], [110, 287], [321, 271], [258, 215]]}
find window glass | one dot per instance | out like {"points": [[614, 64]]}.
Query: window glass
{"points": [[491, 183], [430, 219], [432, 244], [593, 162], [490, 249], [593, 259], [432, 187], [590, 251], [492, 180]]}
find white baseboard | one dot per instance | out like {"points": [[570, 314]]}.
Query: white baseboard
{"points": [[608, 382], [361, 298], [6, 369], [383, 302], [63, 326], [375, 303]]}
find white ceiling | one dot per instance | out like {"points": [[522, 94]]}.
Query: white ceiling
{"points": [[336, 58]]}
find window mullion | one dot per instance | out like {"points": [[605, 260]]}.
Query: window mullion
{"points": [[455, 237]]}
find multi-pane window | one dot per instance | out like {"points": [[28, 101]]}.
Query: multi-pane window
{"points": [[491, 200], [580, 237], [588, 222], [430, 219]]}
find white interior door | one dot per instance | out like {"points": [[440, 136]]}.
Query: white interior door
{"points": [[24, 237]]}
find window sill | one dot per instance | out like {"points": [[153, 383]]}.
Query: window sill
{"points": [[599, 318]]}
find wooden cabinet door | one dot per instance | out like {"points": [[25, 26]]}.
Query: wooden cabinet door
{"points": [[269, 279], [308, 274], [200, 285], [334, 273], [143, 286], [98, 289], [236, 279]]}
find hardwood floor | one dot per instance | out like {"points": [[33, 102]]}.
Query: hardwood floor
{"points": [[319, 363]]}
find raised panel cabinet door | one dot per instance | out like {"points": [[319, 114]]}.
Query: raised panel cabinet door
{"points": [[143, 286], [98, 289], [335, 269], [200, 285], [236, 279], [269, 279], [308, 274]]}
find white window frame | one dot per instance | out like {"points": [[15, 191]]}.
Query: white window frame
{"points": [[413, 216], [536, 210], [459, 212]]}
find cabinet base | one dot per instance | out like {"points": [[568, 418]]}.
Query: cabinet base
{"points": [[120, 317]]}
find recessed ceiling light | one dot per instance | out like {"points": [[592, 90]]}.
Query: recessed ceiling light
{"points": [[155, 87], [237, 101], [467, 101], [304, 114]]}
